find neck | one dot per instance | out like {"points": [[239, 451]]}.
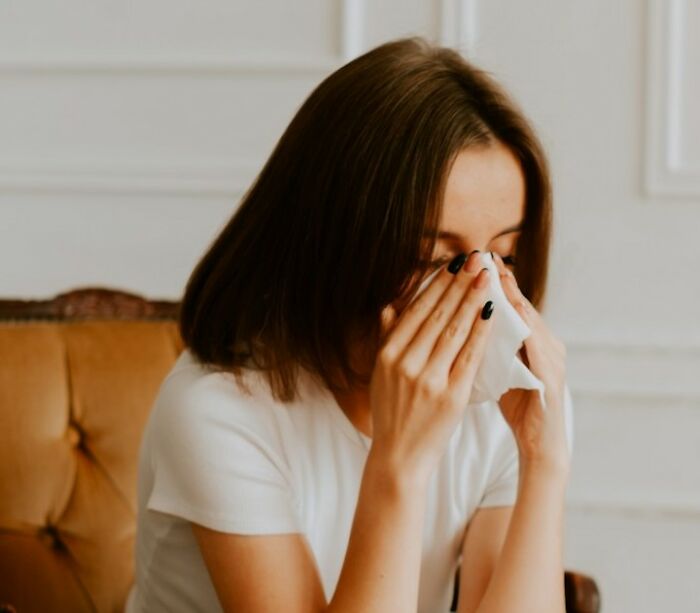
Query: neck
{"points": [[355, 405], [355, 402]]}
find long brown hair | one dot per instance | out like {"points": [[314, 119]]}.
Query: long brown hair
{"points": [[333, 227]]}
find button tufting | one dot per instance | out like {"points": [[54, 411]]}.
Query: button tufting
{"points": [[50, 537], [74, 434]]}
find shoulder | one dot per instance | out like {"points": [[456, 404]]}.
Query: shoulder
{"points": [[215, 454], [199, 404]]}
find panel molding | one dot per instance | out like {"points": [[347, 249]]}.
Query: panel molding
{"points": [[615, 368], [458, 25], [658, 377], [634, 505], [665, 173], [351, 28], [220, 177], [168, 65]]}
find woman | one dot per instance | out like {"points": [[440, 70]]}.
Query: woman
{"points": [[312, 448]]}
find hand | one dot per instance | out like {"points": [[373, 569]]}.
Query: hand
{"points": [[540, 435], [425, 368]]}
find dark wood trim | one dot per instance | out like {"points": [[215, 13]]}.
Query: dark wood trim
{"points": [[89, 303], [581, 592]]}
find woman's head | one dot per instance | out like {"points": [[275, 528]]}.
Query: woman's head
{"points": [[404, 141]]}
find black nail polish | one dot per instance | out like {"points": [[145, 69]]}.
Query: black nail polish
{"points": [[487, 310], [456, 263]]}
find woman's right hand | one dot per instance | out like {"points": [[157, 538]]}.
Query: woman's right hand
{"points": [[425, 368]]}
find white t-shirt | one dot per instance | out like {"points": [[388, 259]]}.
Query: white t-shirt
{"points": [[212, 455]]}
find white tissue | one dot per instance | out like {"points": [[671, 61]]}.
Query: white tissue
{"points": [[501, 368]]}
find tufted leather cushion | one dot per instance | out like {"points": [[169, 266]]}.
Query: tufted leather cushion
{"points": [[74, 397]]}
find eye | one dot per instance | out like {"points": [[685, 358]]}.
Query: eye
{"points": [[440, 261], [508, 260]]}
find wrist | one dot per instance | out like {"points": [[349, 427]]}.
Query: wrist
{"points": [[395, 474], [552, 469], [553, 460], [545, 480]]}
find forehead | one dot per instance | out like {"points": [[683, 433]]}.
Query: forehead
{"points": [[485, 191]]}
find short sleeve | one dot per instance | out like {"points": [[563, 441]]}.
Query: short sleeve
{"points": [[217, 471], [502, 489]]}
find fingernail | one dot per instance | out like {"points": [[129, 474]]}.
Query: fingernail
{"points": [[482, 278], [456, 263], [473, 262], [487, 310]]}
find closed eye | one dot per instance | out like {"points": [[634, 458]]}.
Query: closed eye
{"points": [[508, 260]]}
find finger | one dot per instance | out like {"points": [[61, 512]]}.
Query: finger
{"points": [[526, 310], [508, 282], [530, 314], [510, 286], [413, 315], [453, 336], [537, 342], [507, 278], [388, 320], [520, 303], [500, 264], [419, 350], [466, 364], [538, 359], [502, 267]]}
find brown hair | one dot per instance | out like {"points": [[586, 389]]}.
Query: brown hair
{"points": [[332, 229]]}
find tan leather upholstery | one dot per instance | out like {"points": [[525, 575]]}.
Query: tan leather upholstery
{"points": [[74, 398]]}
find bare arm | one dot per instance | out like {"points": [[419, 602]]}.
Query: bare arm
{"points": [[271, 572], [529, 575], [381, 568], [382, 564], [481, 548], [512, 556]]}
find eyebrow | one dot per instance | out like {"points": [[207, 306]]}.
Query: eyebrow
{"points": [[455, 236]]}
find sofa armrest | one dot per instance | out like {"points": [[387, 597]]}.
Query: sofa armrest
{"points": [[582, 594], [581, 591]]}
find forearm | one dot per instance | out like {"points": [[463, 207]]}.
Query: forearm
{"points": [[529, 574], [381, 569]]}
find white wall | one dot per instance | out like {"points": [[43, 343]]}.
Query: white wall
{"points": [[128, 132]]}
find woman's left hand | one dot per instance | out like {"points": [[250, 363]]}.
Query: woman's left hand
{"points": [[540, 435]]}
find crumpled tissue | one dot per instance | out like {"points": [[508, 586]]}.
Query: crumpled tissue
{"points": [[501, 368]]}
